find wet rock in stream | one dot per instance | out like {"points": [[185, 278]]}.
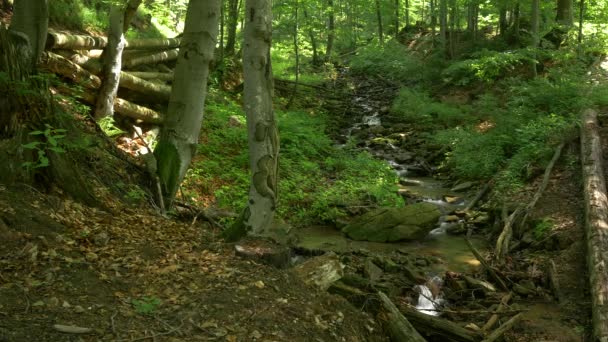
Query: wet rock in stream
{"points": [[411, 222]]}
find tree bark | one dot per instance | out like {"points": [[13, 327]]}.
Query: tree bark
{"points": [[60, 40], [162, 76], [31, 18], [398, 327], [565, 12], [112, 64], [233, 18], [179, 136], [313, 40], [596, 221], [407, 13], [379, 17], [331, 28], [261, 122], [431, 325], [130, 12], [443, 26], [160, 57]]}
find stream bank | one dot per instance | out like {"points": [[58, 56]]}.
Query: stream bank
{"points": [[547, 311]]}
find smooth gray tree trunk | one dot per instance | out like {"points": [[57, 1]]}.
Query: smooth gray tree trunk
{"points": [[112, 64], [180, 133], [31, 20], [331, 27], [261, 121]]}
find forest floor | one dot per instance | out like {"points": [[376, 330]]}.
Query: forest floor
{"points": [[132, 275]]}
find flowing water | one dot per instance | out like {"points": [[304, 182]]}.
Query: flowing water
{"points": [[451, 252]]}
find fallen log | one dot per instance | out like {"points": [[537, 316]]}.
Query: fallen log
{"points": [[496, 334], [61, 40], [504, 301], [397, 326], [123, 107], [435, 326], [164, 56], [163, 76], [60, 65], [596, 222], [485, 265]]}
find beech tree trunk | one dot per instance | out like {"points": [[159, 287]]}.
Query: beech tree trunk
{"points": [[164, 56], [331, 28], [233, 18], [596, 221], [379, 17], [31, 18], [130, 12], [407, 13], [179, 136], [565, 12], [112, 64], [261, 122]]}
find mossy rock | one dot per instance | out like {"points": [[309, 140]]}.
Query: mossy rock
{"points": [[409, 223]]}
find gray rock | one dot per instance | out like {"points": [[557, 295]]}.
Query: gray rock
{"points": [[371, 271], [394, 224], [403, 157]]}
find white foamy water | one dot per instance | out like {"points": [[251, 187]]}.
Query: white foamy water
{"points": [[427, 303]]}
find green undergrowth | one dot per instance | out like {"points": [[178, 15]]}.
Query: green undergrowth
{"points": [[317, 182]]}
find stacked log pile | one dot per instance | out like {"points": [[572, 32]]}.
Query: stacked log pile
{"points": [[77, 58]]}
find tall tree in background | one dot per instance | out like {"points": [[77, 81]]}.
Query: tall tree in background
{"points": [[182, 124], [331, 28], [379, 17], [112, 64], [233, 19], [443, 25], [130, 11], [565, 12], [262, 128]]}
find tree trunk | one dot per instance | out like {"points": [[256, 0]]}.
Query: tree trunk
{"points": [[161, 76], [59, 40], [179, 136], [130, 12], [407, 13], [581, 19], [332, 30], [296, 49], [313, 40], [535, 31], [31, 18], [502, 20], [433, 20], [443, 26], [396, 18], [112, 64], [596, 221], [261, 122], [160, 57], [233, 18], [565, 12], [379, 15], [398, 327]]}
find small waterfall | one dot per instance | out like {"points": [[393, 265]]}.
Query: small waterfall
{"points": [[427, 302]]}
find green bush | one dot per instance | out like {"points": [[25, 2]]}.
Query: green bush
{"points": [[317, 182], [391, 60], [486, 66], [79, 14], [416, 106]]}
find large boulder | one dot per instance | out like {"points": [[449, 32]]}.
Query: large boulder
{"points": [[411, 222]]}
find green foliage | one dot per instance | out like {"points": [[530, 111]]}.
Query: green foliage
{"points": [[79, 14], [316, 181], [146, 305], [486, 66], [108, 127], [515, 137], [391, 60], [51, 140], [415, 106], [542, 228]]}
